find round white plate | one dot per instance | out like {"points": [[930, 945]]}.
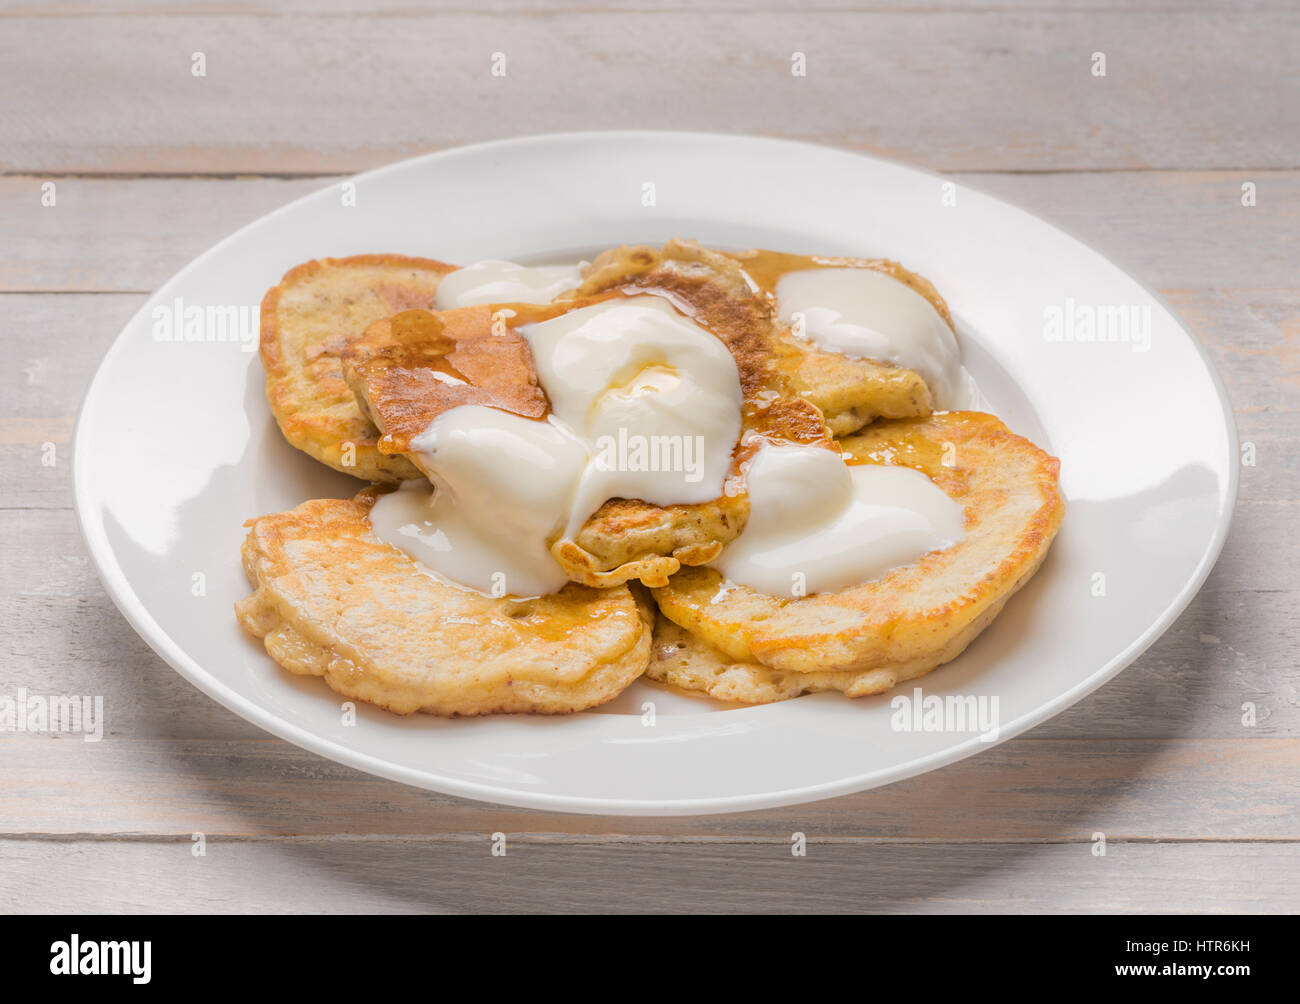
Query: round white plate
{"points": [[175, 448]]}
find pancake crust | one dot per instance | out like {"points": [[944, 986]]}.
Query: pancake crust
{"points": [[408, 369], [849, 392], [332, 600], [867, 638], [681, 659], [308, 319]]}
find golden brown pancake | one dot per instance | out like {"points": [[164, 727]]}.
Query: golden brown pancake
{"points": [[409, 371], [332, 600], [308, 319], [352, 347], [740, 644], [850, 392], [686, 661]]}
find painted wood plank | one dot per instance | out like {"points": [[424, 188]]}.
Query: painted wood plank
{"points": [[91, 8], [56, 342], [316, 94], [131, 235], [420, 876], [126, 235], [1024, 789], [1234, 644], [59, 341], [1136, 219], [1227, 649], [177, 757]]}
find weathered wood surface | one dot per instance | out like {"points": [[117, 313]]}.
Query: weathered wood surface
{"points": [[1199, 811], [1235, 643], [547, 875], [1004, 90], [129, 235], [1027, 790]]}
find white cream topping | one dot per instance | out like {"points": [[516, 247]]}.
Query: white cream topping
{"points": [[504, 282], [656, 396], [819, 525], [870, 315], [645, 404], [502, 483]]}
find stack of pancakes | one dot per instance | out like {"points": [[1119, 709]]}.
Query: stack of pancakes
{"points": [[356, 362]]}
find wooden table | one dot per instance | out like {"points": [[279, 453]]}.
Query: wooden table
{"points": [[151, 164]]}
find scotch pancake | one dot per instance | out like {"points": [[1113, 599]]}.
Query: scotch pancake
{"points": [[850, 392], [686, 661], [307, 321], [408, 370], [332, 600], [743, 645]]}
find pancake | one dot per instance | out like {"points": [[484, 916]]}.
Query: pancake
{"points": [[688, 662], [849, 392], [740, 644], [406, 371], [307, 321], [332, 600]]}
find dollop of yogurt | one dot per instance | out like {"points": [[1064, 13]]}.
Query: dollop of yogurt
{"points": [[819, 525], [645, 404], [867, 314]]}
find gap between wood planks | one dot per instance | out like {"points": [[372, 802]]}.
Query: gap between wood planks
{"points": [[338, 175], [545, 838]]}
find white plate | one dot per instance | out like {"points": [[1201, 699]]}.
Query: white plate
{"points": [[175, 448]]}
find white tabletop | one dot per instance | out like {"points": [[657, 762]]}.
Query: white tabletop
{"points": [[151, 164]]}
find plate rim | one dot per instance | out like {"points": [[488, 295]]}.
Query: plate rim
{"points": [[136, 613]]}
